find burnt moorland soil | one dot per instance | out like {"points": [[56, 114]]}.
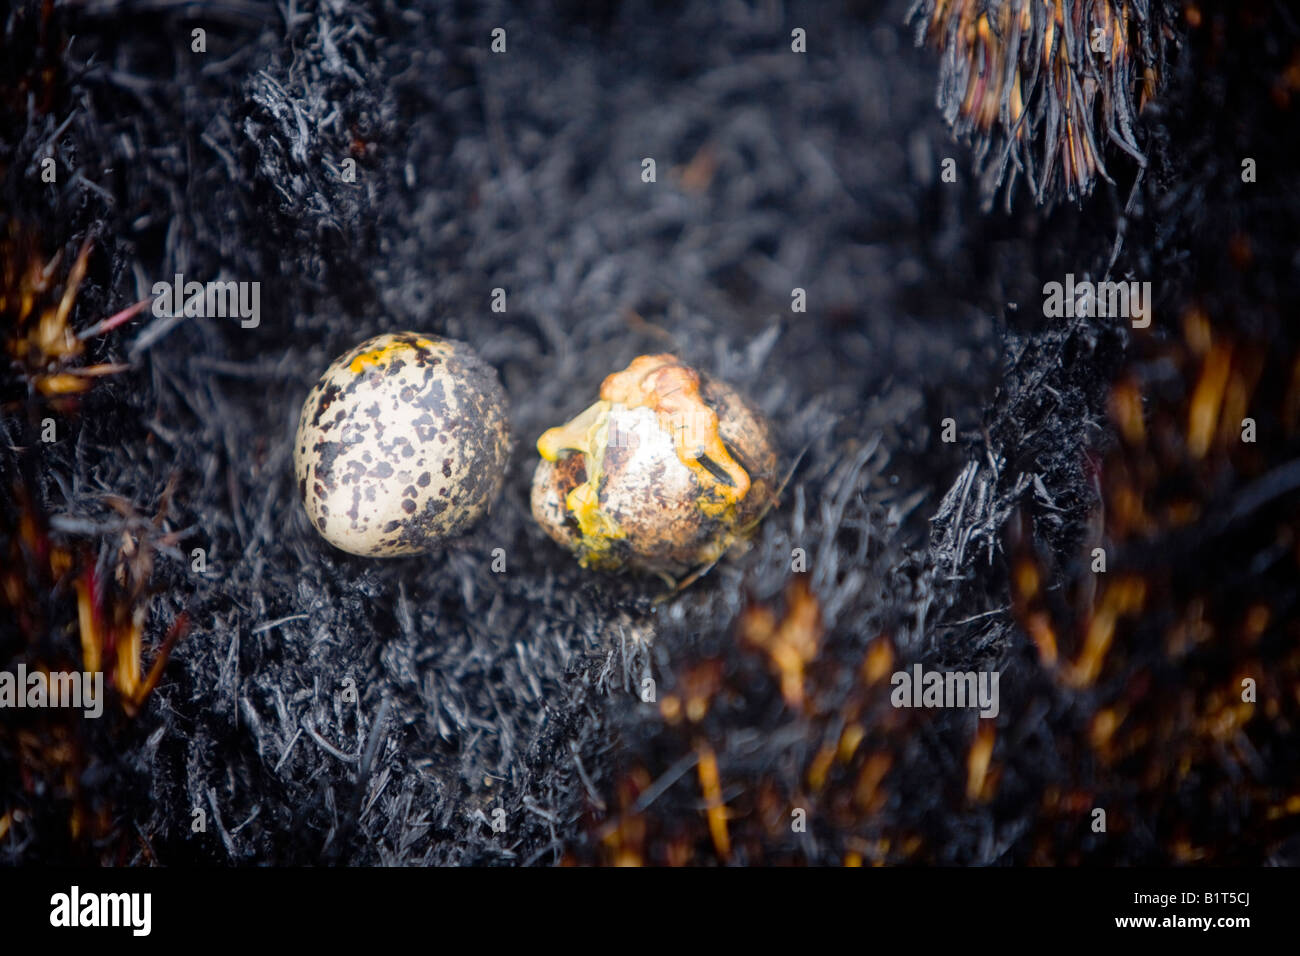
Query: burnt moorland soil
{"points": [[322, 708]]}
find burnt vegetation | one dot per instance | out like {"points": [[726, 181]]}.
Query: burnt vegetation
{"points": [[323, 708]]}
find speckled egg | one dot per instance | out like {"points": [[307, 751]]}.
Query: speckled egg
{"points": [[402, 444], [664, 473]]}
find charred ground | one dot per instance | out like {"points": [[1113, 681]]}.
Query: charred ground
{"points": [[520, 691]]}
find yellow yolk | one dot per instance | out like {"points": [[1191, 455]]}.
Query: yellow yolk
{"points": [[386, 353]]}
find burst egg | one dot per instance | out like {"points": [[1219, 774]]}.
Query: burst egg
{"points": [[664, 473]]}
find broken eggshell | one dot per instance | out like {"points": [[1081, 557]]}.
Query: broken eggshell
{"points": [[664, 473]]}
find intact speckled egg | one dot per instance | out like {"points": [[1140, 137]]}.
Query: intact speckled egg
{"points": [[402, 444], [664, 473]]}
